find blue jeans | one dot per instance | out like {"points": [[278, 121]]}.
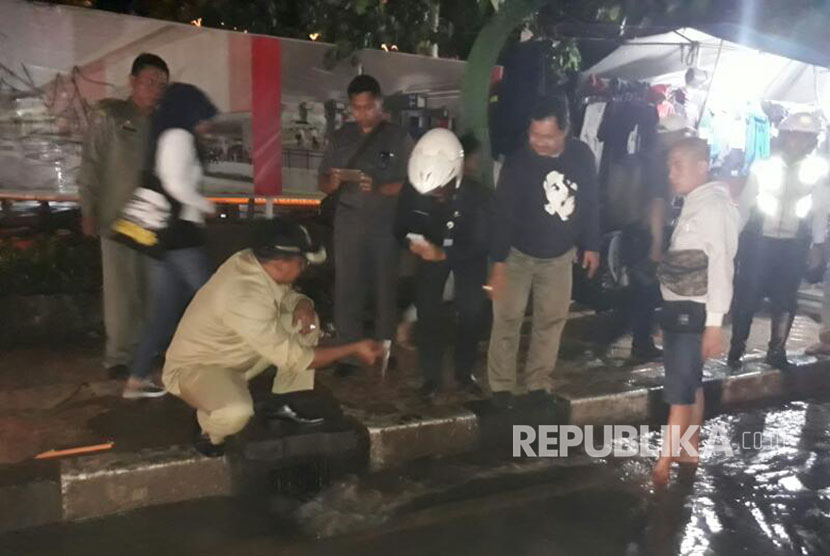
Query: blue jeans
{"points": [[175, 280]]}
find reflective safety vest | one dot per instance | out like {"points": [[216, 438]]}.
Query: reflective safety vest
{"points": [[784, 195]]}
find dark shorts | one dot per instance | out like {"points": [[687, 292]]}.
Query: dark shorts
{"points": [[684, 366]]}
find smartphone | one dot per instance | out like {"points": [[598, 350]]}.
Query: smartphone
{"points": [[350, 174], [416, 238]]}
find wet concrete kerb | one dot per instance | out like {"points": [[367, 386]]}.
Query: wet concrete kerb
{"points": [[37, 493]]}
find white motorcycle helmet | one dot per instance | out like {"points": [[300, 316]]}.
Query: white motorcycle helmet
{"points": [[436, 160]]}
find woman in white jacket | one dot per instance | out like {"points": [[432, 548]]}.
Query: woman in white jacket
{"points": [[696, 284], [176, 160]]}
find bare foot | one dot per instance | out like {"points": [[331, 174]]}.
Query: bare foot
{"points": [[662, 470]]}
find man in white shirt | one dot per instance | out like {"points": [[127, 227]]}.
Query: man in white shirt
{"points": [[696, 284], [783, 211]]}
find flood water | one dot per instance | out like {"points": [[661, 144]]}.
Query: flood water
{"points": [[771, 497]]}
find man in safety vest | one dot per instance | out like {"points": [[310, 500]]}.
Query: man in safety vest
{"points": [[783, 211]]}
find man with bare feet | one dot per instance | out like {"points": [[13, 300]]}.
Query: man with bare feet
{"points": [[696, 283]]}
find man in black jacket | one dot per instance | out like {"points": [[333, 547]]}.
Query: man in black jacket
{"points": [[447, 226], [545, 206]]}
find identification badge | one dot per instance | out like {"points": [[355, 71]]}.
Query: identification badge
{"points": [[448, 242]]}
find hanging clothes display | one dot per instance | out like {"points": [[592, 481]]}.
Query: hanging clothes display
{"points": [[758, 137], [621, 120], [590, 128]]}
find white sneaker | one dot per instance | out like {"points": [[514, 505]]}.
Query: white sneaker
{"points": [[146, 390]]}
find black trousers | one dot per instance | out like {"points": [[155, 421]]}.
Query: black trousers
{"points": [[642, 302], [470, 304], [643, 295], [767, 268]]}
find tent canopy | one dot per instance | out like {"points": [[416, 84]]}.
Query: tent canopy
{"points": [[738, 72]]}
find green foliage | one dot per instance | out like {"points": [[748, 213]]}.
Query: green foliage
{"points": [[49, 265]]}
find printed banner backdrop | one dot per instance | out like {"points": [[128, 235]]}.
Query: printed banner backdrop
{"points": [[278, 103]]}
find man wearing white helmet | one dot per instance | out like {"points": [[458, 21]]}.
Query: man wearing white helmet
{"points": [[783, 211], [444, 218]]}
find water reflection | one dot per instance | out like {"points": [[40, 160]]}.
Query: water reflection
{"points": [[771, 497]]}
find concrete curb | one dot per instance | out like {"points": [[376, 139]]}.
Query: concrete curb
{"points": [[393, 444], [99, 485]]}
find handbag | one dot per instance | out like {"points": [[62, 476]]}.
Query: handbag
{"points": [[144, 218], [683, 317], [685, 272]]}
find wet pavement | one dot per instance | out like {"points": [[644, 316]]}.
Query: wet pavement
{"points": [[771, 497], [59, 396]]}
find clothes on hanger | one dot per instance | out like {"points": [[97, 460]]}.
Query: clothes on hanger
{"points": [[758, 137], [594, 113]]}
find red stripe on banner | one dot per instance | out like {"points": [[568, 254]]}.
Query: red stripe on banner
{"points": [[266, 126]]}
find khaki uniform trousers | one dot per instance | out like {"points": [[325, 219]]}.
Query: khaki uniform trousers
{"points": [[126, 292], [222, 399], [550, 280]]}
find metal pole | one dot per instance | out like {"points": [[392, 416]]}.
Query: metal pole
{"points": [[709, 88], [436, 20]]}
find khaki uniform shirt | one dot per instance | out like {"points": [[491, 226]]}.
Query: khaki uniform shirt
{"points": [[113, 156], [242, 320]]}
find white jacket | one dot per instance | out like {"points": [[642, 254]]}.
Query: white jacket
{"points": [[709, 223], [180, 171]]}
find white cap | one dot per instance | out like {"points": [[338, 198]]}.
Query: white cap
{"points": [[804, 122], [436, 160]]}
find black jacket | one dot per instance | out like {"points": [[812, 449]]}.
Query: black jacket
{"points": [[544, 206], [461, 225]]}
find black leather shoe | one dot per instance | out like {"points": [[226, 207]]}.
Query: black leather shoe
{"points": [[646, 353], [469, 383], [207, 448], [537, 398], [285, 412], [428, 391], [734, 358], [118, 372], [344, 370], [502, 401], [778, 360]]}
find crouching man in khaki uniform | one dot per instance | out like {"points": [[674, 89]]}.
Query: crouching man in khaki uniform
{"points": [[246, 318]]}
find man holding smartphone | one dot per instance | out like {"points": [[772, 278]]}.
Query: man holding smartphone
{"points": [[365, 164]]}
